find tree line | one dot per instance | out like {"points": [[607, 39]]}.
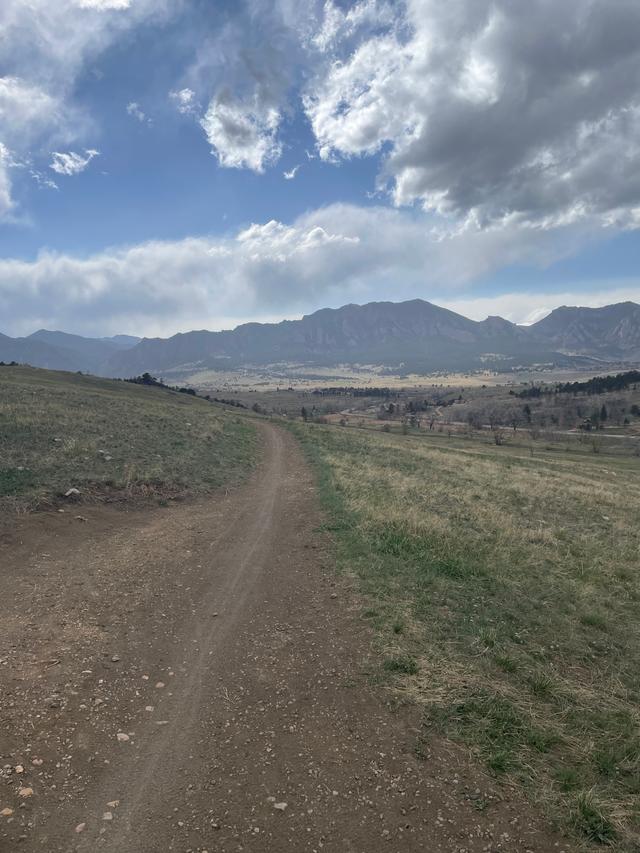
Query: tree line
{"points": [[597, 385]]}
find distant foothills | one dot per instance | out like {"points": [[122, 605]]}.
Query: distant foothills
{"points": [[405, 337]]}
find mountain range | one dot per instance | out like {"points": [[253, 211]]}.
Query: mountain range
{"points": [[61, 351], [409, 336]]}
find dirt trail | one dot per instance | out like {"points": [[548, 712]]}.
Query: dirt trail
{"points": [[191, 679]]}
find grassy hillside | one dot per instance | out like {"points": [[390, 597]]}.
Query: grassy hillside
{"points": [[110, 439], [504, 589]]}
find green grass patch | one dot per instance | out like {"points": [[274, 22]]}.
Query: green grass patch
{"points": [[591, 819], [594, 620], [111, 439], [404, 664]]}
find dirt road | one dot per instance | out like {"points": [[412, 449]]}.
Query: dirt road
{"points": [[192, 679]]}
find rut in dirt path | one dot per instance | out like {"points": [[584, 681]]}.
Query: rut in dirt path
{"points": [[237, 690]]}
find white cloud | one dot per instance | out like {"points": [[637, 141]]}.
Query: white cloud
{"points": [[6, 202], [104, 5], [133, 109], [242, 135], [486, 110], [339, 25], [44, 47], [327, 257], [47, 43], [26, 109], [26, 112], [71, 163], [489, 109], [482, 110], [527, 308], [185, 101], [277, 242], [247, 73], [290, 175], [42, 180], [355, 108]]}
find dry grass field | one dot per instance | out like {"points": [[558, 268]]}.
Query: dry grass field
{"points": [[302, 377], [110, 440], [504, 588]]}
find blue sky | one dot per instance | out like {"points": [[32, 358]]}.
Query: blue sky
{"points": [[479, 153], [158, 178]]}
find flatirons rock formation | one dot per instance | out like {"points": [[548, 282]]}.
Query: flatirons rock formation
{"points": [[410, 336]]}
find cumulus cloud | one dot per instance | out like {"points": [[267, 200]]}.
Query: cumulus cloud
{"points": [[353, 108], [278, 242], [242, 135], [491, 109], [481, 110], [338, 25], [485, 111], [247, 74], [329, 256], [250, 72], [71, 163]]}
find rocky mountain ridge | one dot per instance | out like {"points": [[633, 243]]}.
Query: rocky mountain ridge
{"points": [[406, 336]]}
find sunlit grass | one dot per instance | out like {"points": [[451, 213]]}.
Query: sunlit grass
{"points": [[62, 430]]}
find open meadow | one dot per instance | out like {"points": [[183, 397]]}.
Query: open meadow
{"points": [[503, 587], [500, 579], [110, 440]]}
